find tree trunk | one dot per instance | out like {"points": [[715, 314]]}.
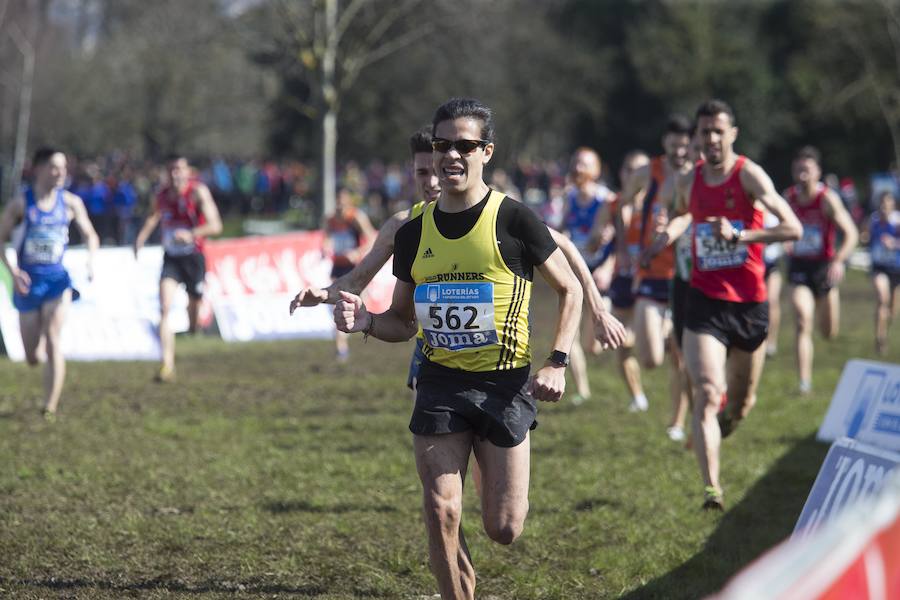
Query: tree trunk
{"points": [[15, 178], [329, 118]]}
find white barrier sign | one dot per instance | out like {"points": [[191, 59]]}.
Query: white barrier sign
{"points": [[246, 318], [850, 472], [117, 315], [865, 405]]}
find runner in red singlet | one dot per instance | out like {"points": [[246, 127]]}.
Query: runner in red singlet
{"points": [[187, 214], [349, 235], [816, 264], [726, 321]]}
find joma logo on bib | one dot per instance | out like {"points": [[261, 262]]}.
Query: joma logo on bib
{"points": [[456, 316]]}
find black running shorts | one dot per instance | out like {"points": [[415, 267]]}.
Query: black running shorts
{"points": [[742, 325], [620, 291], [189, 270], [810, 273], [893, 276], [654, 289], [678, 299], [494, 405]]}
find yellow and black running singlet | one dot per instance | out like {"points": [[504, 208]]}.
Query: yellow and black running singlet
{"points": [[417, 209], [473, 310]]}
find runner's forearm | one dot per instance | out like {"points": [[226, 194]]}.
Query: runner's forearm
{"points": [[783, 232], [591, 294], [569, 314], [390, 327], [677, 226], [206, 230]]}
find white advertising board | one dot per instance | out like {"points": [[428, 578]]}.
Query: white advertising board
{"points": [[117, 315], [865, 405]]}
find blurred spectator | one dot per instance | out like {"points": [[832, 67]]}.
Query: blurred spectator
{"points": [[124, 200], [501, 182]]}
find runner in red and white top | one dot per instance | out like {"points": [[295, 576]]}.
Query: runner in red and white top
{"points": [[187, 214], [816, 265], [727, 314]]}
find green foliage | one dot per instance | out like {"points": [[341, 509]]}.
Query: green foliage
{"points": [[165, 76], [209, 78], [270, 471]]}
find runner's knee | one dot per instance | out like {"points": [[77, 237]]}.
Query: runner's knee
{"points": [[505, 529], [443, 511], [651, 359], [710, 396]]}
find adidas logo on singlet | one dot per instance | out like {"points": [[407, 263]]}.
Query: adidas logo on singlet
{"points": [[428, 253]]}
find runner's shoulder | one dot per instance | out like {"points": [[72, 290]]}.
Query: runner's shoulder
{"points": [[408, 233], [72, 199]]}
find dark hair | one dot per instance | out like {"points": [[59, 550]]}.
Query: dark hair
{"points": [[714, 107], [456, 108], [679, 125], [809, 152], [420, 141], [43, 155]]}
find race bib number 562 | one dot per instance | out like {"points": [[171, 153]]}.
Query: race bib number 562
{"points": [[456, 316]]}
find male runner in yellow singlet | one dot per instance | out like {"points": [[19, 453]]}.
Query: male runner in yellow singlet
{"points": [[464, 270]]}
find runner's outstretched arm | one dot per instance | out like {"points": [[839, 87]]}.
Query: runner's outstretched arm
{"points": [[549, 382], [213, 225], [850, 235], [760, 187], [674, 230], [12, 214], [607, 329], [147, 228], [602, 229], [83, 222], [362, 274]]}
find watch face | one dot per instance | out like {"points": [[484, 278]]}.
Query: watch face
{"points": [[559, 358]]}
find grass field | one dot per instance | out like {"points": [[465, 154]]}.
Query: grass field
{"points": [[268, 471]]}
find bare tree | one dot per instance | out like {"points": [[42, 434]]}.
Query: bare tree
{"points": [[856, 66], [331, 43], [22, 32]]}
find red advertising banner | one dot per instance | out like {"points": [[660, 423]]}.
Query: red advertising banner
{"points": [[251, 281], [855, 556]]}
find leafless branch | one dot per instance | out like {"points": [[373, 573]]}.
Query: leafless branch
{"points": [[3, 6], [23, 44], [354, 66], [346, 19], [294, 23], [389, 18]]}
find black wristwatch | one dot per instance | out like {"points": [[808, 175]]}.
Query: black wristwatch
{"points": [[560, 359]]}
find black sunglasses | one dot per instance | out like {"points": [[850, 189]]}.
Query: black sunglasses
{"points": [[462, 146]]}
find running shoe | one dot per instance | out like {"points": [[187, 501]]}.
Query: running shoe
{"points": [[676, 434], [165, 375], [727, 424], [638, 404], [805, 387], [713, 499]]}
